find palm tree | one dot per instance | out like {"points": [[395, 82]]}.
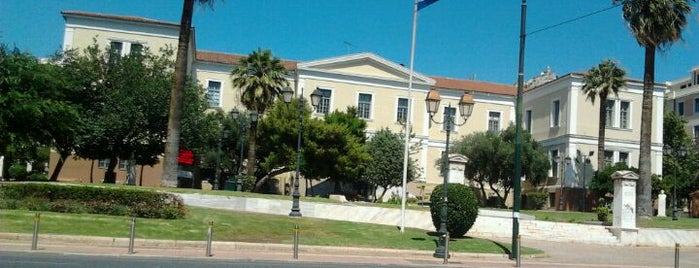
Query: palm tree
{"points": [[602, 80], [656, 24], [260, 77], [174, 124]]}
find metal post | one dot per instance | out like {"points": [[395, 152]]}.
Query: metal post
{"points": [[517, 172], [239, 182], [217, 172], [132, 234], [519, 251], [296, 241], [584, 195], [295, 209], [209, 237], [674, 195], [35, 236], [677, 255], [440, 251]]}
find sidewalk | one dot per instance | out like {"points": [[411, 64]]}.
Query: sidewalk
{"points": [[558, 254]]}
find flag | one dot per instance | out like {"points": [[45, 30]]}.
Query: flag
{"points": [[424, 3]]}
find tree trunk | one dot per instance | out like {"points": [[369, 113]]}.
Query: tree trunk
{"points": [[271, 174], [140, 177], [382, 194], [601, 131], [92, 169], [644, 206], [109, 174], [174, 124], [59, 165], [251, 150]]}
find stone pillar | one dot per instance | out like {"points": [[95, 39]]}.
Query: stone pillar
{"points": [[457, 164], [624, 209], [662, 203]]}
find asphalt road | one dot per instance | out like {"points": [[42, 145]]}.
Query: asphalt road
{"points": [[58, 260]]}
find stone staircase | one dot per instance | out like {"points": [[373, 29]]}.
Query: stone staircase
{"points": [[561, 231]]}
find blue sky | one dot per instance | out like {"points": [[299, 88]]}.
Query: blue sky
{"points": [[455, 38]]}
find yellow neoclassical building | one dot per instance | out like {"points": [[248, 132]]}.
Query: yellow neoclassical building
{"points": [[555, 111]]}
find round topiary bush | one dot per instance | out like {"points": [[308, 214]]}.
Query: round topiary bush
{"points": [[462, 208]]}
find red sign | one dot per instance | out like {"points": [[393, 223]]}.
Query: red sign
{"points": [[186, 157]]}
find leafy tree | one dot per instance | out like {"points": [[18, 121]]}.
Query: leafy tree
{"points": [[260, 77], [679, 157], [177, 92], [36, 110], [602, 80], [124, 118], [385, 166], [277, 149], [656, 24], [491, 158]]}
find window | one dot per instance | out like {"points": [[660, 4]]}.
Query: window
{"points": [[528, 121], [402, 110], [680, 108], [136, 49], [696, 105], [103, 163], [364, 106], [624, 115], [624, 157], [115, 49], [555, 113], [324, 103], [554, 163], [494, 121], [609, 113], [213, 93], [123, 164], [451, 111], [608, 158]]}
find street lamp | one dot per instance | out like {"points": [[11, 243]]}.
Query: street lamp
{"points": [[465, 109], [253, 119], [586, 161], [287, 94], [217, 174]]}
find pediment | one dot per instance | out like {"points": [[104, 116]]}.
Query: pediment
{"points": [[458, 158], [364, 65]]}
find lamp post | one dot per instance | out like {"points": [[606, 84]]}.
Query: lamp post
{"points": [[253, 119], [676, 154], [563, 177], [287, 94], [217, 173], [465, 109]]}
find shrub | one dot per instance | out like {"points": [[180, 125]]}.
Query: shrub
{"points": [[248, 183], [18, 172], [603, 211], [98, 200], [536, 200], [37, 176], [462, 208]]}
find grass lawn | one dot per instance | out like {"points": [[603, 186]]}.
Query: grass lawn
{"points": [[581, 217], [245, 227]]}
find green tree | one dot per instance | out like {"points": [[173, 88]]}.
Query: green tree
{"points": [[601, 81], [491, 155], [124, 118], [177, 92], [656, 24], [260, 77], [679, 157], [385, 166], [36, 108], [462, 208]]}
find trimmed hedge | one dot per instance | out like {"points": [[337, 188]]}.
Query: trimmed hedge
{"points": [[91, 199], [462, 208]]}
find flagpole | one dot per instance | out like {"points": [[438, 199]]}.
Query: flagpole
{"points": [[407, 122]]}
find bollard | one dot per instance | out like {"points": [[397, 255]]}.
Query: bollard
{"points": [[209, 237], [132, 235], [677, 255], [296, 241], [446, 248], [519, 251], [35, 236]]}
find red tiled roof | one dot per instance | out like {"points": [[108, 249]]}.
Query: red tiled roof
{"points": [[472, 85], [117, 17], [232, 59]]}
